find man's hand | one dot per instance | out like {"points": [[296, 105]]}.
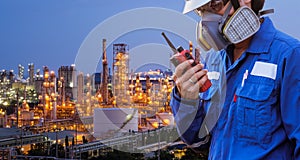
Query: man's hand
{"points": [[189, 80]]}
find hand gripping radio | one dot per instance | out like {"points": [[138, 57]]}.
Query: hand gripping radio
{"points": [[181, 55]]}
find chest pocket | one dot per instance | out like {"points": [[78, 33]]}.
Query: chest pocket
{"points": [[254, 110]]}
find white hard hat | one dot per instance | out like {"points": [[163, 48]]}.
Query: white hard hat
{"points": [[193, 4]]}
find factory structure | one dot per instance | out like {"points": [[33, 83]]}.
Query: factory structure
{"points": [[46, 96], [124, 100], [66, 106]]}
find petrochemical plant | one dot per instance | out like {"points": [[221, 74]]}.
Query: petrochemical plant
{"points": [[71, 107], [136, 91]]}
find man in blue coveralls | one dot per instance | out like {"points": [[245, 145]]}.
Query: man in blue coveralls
{"points": [[260, 115]]}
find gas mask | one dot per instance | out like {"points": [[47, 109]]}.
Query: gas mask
{"points": [[217, 32]]}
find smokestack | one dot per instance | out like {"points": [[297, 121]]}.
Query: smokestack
{"points": [[104, 90]]}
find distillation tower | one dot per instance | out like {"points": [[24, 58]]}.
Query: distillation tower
{"points": [[121, 74], [49, 94]]}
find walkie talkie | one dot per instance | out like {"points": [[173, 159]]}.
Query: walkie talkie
{"points": [[181, 55]]}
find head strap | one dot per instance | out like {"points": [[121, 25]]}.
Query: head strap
{"points": [[268, 11], [224, 17], [235, 4]]}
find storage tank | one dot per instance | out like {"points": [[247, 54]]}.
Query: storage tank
{"points": [[112, 121]]}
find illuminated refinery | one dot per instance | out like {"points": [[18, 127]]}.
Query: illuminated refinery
{"points": [[69, 107], [144, 93]]}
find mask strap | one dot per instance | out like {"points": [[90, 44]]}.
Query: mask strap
{"points": [[268, 11], [235, 4], [224, 17]]}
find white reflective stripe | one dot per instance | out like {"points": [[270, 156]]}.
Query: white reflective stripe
{"points": [[198, 144], [264, 69], [213, 75]]}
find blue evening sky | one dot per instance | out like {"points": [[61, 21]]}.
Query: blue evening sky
{"points": [[50, 32]]}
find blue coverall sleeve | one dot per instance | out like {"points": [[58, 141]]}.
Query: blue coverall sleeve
{"points": [[188, 116], [290, 99]]}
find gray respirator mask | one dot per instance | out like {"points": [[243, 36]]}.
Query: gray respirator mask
{"points": [[217, 32]]}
